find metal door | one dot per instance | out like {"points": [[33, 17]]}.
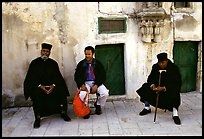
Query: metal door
{"points": [[111, 56], [186, 58]]}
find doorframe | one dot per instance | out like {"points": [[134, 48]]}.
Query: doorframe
{"points": [[199, 68]]}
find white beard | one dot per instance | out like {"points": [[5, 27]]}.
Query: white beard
{"points": [[44, 57]]}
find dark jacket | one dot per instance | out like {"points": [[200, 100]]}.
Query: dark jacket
{"points": [[44, 73], [171, 79], [81, 72]]}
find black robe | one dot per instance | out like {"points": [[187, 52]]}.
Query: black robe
{"points": [[45, 73], [171, 79]]}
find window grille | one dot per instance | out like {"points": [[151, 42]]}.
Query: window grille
{"points": [[111, 25], [181, 4]]}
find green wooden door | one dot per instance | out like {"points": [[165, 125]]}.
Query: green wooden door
{"points": [[186, 58], [111, 56]]}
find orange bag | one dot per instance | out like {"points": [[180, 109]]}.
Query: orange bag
{"points": [[80, 109]]}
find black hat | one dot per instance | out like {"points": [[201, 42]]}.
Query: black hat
{"points": [[162, 57], [46, 46]]}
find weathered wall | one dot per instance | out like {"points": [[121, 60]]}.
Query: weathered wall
{"points": [[188, 27], [25, 27], [70, 27]]}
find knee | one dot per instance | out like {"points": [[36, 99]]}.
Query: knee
{"points": [[104, 93]]}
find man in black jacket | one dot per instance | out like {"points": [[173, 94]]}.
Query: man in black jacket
{"points": [[46, 87], [90, 75], [168, 87]]}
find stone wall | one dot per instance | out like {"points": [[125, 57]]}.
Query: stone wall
{"points": [[71, 26]]}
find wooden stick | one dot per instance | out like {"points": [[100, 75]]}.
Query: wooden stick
{"points": [[157, 100]]}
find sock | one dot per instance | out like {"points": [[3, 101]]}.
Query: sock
{"points": [[175, 112], [147, 105]]}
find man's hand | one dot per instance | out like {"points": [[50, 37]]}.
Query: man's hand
{"points": [[47, 88], [152, 87], [51, 87], [94, 89], [159, 88], [83, 88]]}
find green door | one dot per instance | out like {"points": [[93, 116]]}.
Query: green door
{"points": [[111, 56], [186, 58]]}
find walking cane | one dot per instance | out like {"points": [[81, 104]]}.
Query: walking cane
{"points": [[157, 100]]}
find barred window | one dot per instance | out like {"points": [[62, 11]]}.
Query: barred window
{"points": [[111, 25], [181, 4]]}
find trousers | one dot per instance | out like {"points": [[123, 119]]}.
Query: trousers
{"points": [[48, 104], [102, 91]]}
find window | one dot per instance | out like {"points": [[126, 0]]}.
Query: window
{"points": [[181, 4], [183, 7], [111, 25]]}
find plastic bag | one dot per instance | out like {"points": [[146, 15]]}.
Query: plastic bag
{"points": [[80, 109]]}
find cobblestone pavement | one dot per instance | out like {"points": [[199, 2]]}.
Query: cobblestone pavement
{"points": [[119, 118]]}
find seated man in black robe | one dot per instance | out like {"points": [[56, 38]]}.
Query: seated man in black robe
{"points": [[46, 87], [169, 88]]}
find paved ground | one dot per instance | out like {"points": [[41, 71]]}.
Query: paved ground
{"points": [[119, 118]]}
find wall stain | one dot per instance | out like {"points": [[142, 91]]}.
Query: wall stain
{"points": [[181, 24]]}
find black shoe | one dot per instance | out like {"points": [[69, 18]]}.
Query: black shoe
{"points": [[177, 120], [98, 109], [144, 112], [65, 117], [37, 123], [87, 116]]}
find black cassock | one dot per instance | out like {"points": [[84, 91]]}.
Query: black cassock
{"points": [[171, 79], [46, 73]]}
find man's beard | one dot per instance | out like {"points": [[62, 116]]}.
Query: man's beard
{"points": [[44, 57]]}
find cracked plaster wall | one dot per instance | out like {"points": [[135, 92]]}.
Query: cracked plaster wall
{"points": [[70, 26]]}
